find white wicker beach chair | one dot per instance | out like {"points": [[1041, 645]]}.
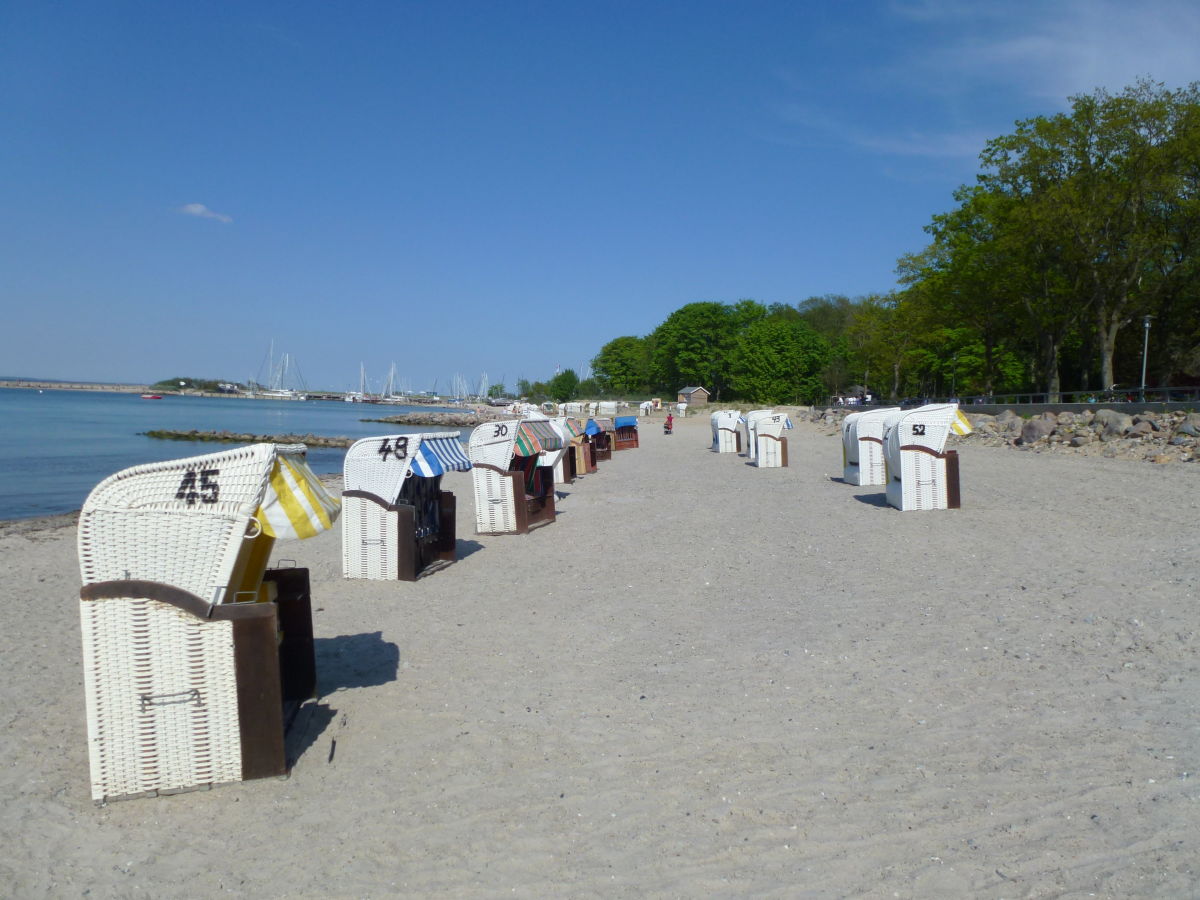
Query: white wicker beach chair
{"points": [[750, 423], [725, 435], [567, 467], [396, 518], [862, 446], [920, 473], [512, 493], [184, 668], [771, 452]]}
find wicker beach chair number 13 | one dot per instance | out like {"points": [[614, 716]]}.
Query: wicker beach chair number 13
{"points": [[398, 449], [206, 491]]}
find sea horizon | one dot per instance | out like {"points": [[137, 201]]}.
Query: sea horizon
{"points": [[59, 444]]}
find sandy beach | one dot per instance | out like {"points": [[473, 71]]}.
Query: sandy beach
{"points": [[705, 679]]}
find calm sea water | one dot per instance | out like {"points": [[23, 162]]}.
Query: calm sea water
{"points": [[55, 446]]}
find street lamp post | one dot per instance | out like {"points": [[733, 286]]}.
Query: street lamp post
{"points": [[1145, 348]]}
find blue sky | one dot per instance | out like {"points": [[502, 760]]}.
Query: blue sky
{"points": [[486, 187]]}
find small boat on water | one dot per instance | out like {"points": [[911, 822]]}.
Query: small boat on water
{"points": [[151, 396]]}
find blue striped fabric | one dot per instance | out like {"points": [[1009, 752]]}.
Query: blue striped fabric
{"points": [[437, 456]]}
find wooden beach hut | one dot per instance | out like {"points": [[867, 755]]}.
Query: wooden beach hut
{"points": [[396, 519], [195, 655], [512, 492]]}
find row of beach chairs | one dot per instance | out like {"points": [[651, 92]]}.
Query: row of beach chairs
{"points": [[760, 432], [905, 451], [902, 450], [196, 655]]}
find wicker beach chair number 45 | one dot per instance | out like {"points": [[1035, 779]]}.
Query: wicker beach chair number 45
{"points": [[398, 449], [206, 489]]}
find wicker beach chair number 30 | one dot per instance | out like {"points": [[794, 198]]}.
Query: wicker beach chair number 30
{"points": [[501, 431], [399, 449], [206, 491]]}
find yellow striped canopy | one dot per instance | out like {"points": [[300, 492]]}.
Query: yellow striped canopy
{"points": [[960, 424], [296, 504]]}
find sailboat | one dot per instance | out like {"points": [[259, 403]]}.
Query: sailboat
{"points": [[279, 376], [361, 395], [389, 394]]}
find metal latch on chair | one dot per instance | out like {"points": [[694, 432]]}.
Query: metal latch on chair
{"points": [[148, 700]]}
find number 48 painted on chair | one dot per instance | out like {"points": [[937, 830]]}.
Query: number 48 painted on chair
{"points": [[399, 449]]}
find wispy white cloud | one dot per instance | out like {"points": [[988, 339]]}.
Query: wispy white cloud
{"points": [[842, 129], [203, 212], [1051, 50], [947, 75]]}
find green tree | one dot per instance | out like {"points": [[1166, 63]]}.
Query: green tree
{"points": [[692, 346], [497, 390], [564, 386], [778, 360], [1093, 193], [623, 365]]}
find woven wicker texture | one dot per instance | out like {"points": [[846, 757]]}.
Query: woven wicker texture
{"points": [[370, 540], [750, 423], [161, 698], [180, 522], [724, 430], [917, 480], [370, 533], [770, 453], [862, 446], [495, 505]]}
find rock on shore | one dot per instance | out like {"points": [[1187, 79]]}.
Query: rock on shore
{"points": [[235, 437], [464, 419]]}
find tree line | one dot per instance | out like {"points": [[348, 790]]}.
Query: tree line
{"points": [[1079, 226]]}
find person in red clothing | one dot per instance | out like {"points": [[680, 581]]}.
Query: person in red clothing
{"points": [[669, 424]]}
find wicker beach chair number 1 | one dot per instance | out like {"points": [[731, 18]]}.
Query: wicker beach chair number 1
{"points": [[207, 491], [919, 428], [399, 449]]}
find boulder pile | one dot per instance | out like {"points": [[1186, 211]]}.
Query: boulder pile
{"points": [[1158, 437]]}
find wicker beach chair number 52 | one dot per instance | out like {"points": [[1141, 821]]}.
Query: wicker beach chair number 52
{"points": [[398, 449], [206, 489], [919, 428]]}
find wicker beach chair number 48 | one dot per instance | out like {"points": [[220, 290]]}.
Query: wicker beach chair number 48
{"points": [[206, 490], [398, 449]]}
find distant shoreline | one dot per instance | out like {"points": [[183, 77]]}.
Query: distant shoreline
{"points": [[76, 386]]}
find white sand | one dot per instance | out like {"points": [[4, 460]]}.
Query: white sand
{"points": [[705, 679]]}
